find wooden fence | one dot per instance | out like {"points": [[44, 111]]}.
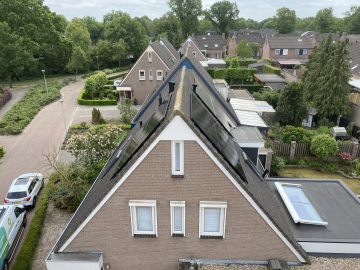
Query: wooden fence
{"points": [[303, 149]]}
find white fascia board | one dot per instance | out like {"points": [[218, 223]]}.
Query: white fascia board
{"points": [[134, 65], [326, 247], [213, 204], [177, 203], [142, 203], [251, 144], [177, 129]]}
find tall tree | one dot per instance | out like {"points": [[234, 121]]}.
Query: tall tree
{"points": [[327, 78], [14, 56], [324, 20], [243, 49], [291, 108], [205, 25], [95, 28], [255, 47], [222, 15], [163, 26], [286, 20], [78, 32], [120, 51], [187, 12], [352, 20], [77, 61]]}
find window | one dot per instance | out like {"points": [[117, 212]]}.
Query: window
{"points": [[177, 157], [207, 55], [189, 44], [277, 52], [194, 53], [203, 37], [141, 75], [159, 75], [150, 57], [216, 45], [299, 40], [150, 75], [208, 34], [212, 219], [300, 51], [205, 45], [300, 208], [305, 51], [216, 55], [177, 218], [143, 217], [31, 187], [281, 52]]}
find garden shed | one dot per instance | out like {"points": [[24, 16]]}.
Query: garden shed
{"points": [[270, 79], [340, 133]]}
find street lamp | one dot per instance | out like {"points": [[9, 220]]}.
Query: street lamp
{"points": [[97, 58], [61, 101], [43, 71]]}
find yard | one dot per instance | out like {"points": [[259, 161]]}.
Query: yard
{"points": [[353, 184]]}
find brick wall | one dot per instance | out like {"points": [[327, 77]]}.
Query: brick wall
{"points": [[248, 236], [194, 48]]}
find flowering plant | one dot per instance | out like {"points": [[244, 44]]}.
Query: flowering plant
{"points": [[346, 156]]}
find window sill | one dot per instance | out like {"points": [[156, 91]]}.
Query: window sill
{"points": [[211, 237], [177, 176], [145, 235], [178, 235]]}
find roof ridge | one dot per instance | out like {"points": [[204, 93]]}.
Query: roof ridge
{"points": [[178, 99]]}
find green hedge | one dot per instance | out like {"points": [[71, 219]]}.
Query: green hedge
{"points": [[220, 73], [24, 259], [2, 152], [88, 102], [211, 72], [271, 70], [21, 113], [110, 82], [116, 76], [111, 87], [242, 62], [250, 88], [234, 73]]}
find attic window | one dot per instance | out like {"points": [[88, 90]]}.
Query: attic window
{"points": [[204, 38], [354, 66], [298, 205], [216, 45], [205, 45], [177, 154], [299, 40]]}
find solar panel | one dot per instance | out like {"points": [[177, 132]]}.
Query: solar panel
{"points": [[216, 134], [136, 141]]}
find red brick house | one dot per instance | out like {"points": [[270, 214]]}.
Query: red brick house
{"points": [[236, 38], [211, 45], [178, 187], [148, 71]]}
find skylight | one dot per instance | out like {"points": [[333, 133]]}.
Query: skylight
{"points": [[204, 38], [354, 66], [299, 40], [216, 45], [298, 205], [206, 45]]}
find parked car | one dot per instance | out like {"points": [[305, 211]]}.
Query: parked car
{"points": [[12, 223], [25, 189]]}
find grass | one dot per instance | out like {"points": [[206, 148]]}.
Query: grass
{"points": [[353, 184], [122, 135]]}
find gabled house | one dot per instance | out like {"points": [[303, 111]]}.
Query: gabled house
{"points": [[293, 47], [317, 38], [237, 38], [355, 58], [148, 71], [192, 46], [212, 46], [177, 188]]}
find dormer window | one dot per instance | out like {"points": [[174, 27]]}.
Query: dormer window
{"points": [[150, 57], [177, 157]]}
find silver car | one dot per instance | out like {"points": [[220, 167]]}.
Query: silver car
{"points": [[25, 189]]}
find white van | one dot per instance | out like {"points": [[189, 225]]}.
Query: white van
{"points": [[12, 223]]}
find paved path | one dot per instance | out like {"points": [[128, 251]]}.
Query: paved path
{"points": [[46, 132], [16, 96]]}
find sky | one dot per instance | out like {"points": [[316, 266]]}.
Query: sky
{"points": [[256, 9]]}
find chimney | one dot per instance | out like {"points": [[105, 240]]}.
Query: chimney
{"points": [[140, 123], [223, 35], [181, 50], [171, 87], [194, 87], [274, 34], [193, 35], [160, 99]]}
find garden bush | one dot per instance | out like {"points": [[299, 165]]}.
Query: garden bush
{"points": [[97, 118], [270, 96], [326, 122], [323, 146], [211, 72], [327, 166], [101, 96], [297, 134], [83, 100], [264, 59], [110, 96], [127, 113], [277, 164], [5, 96], [110, 82], [242, 62], [95, 83], [324, 130], [21, 113], [234, 63], [267, 69], [110, 87], [220, 73], [2, 152]]}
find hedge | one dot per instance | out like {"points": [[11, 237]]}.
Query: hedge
{"points": [[242, 62], [2, 152], [211, 72], [88, 102], [110, 82], [234, 73], [116, 76], [268, 69], [220, 73], [111, 87], [250, 88], [24, 259]]}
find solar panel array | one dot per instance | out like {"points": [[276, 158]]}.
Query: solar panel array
{"points": [[222, 141]]}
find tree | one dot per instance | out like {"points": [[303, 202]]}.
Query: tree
{"points": [[205, 25], [234, 63], [270, 96], [14, 56], [96, 29], [187, 11], [272, 24], [292, 107], [307, 23], [255, 47], [352, 20], [77, 61], [324, 20], [102, 53], [243, 49], [78, 32], [327, 76], [127, 113], [120, 51], [177, 41], [286, 20], [222, 15], [163, 26]]}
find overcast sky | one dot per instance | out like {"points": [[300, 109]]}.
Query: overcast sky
{"points": [[255, 9]]}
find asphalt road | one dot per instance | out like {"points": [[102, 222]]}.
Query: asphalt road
{"points": [[45, 134]]}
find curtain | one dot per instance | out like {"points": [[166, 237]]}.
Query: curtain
{"points": [[177, 218], [177, 156], [144, 218], [212, 219]]}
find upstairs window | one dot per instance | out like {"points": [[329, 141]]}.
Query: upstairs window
{"points": [[177, 157], [194, 54], [189, 44], [143, 217], [301, 52], [150, 75], [298, 205], [208, 34], [203, 37], [281, 52], [150, 56], [159, 75], [205, 45], [212, 219], [177, 218], [141, 75]]}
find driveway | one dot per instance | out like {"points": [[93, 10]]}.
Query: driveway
{"points": [[46, 132]]}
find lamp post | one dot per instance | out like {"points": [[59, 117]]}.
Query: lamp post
{"points": [[61, 101], [97, 59], [43, 71]]}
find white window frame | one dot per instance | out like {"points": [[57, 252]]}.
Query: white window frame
{"points": [[304, 51], [159, 78], [205, 45], [291, 208], [217, 55], [174, 204], [212, 204], [174, 172], [285, 52], [194, 54], [142, 78], [150, 75], [150, 56], [277, 51], [189, 44], [216, 45], [143, 203], [297, 51]]}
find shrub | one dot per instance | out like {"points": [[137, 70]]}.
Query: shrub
{"points": [[95, 83], [97, 117], [108, 71], [116, 69], [111, 82], [125, 127], [101, 96], [297, 66], [270, 96], [271, 70], [326, 122], [325, 130], [127, 113], [211, 72], [234, 63], [110, 87], [328, 166], [323, 146], [83, 124], [220, 73], [82, 100], [264, 59], [110, 96], [2, 152], [5, 96], [297, 134], [278, 164], [116, 76]]}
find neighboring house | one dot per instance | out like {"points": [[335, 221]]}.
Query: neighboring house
{"points": [[212, 46], [355, 58], [148, 71], [236, 38], [178, 188], [317, 37], [191, 44], [293, 47]]}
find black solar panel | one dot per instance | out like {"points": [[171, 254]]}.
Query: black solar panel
{"points": [[216, 134]]}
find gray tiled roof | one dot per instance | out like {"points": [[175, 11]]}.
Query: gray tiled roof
{"points": [[321, 36], [210, 41], [355, 58], [171, 48], [163, 53], [250, 38], [290, 42]]}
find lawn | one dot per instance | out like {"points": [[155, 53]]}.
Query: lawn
{"points": [[353, 184]]}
